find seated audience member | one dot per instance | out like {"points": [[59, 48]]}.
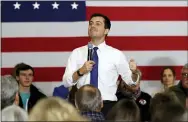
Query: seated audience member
{"points": [[141, 98], [54, 109], [165, 107], [61, 92], [89, 102], [124, 110], [14, 73], [181, 89], [28, 93], [14, 113], [168, 77], [9, 91]]}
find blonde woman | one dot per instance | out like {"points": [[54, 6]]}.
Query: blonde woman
{"points": [[54, 109]]}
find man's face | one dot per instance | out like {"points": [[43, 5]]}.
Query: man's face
{"points": [[96, 28], [184, 78], [25, 77]]}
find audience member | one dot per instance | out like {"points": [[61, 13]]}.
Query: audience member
{"points": [[28, 93], [9, 91], [181, 89], [165, 107], [54, 109], [124, 110], [14, 113], [89, 102], [61, 92], [168, 77], [141, 98]]}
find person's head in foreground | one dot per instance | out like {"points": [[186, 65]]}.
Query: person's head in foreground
{"points": [[54, 109], [9, 91], [14, 113], [88, 98], [124, 110], [165, 107]]}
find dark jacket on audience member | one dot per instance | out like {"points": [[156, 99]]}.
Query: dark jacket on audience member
{"points": [[180, 92], [35, 95], [143, 102]]}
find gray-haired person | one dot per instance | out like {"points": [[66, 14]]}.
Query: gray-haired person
{"points": [[181, 89], [9, 91], [88, 101]]}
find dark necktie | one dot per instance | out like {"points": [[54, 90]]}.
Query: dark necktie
{"points": [[94, 72]]}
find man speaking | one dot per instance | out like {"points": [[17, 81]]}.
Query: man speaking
{"points": [[105, 65]]}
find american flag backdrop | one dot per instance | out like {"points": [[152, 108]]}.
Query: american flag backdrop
{"points": [[43, 34]]}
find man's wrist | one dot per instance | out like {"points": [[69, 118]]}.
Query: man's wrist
{"points": [[79, 73]]}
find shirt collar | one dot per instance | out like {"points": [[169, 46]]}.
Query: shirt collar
{"points": [[101, 46]]}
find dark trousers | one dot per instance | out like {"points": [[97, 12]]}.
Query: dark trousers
{"points": [[107, 105]]}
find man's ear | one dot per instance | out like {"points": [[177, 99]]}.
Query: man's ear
{"points": [[106, 31]]}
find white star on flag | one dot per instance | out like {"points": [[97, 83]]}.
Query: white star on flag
{"points": [[74, 5], [36, 5], [55, 5], [17, 5]]}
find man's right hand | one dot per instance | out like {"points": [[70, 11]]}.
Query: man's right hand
{"points": [[87, 67]]}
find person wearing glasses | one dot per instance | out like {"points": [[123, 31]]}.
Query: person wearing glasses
{"points": [[181, 89]]}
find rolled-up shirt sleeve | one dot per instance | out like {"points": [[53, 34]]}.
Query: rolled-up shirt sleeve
{"points": [[71, 67], [124, 70]]}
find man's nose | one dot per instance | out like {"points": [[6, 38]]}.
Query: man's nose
{"points": [[27, 76], [93, 25]]}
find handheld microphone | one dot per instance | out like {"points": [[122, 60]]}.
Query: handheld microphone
{"points": [[90, 48]]}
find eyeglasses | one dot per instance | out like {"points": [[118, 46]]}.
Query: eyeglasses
{"points": [[184, 75]]}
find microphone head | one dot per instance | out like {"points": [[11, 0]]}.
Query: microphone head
{"points": [[90, 46]]}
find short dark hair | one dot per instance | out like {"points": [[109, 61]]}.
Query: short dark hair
{"points": [[124, 110], [107, 23], [170, 68], [88, 98], [21, 67], [165, 107]]}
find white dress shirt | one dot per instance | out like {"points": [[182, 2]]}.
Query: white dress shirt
{"points": [[112, 63]]}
